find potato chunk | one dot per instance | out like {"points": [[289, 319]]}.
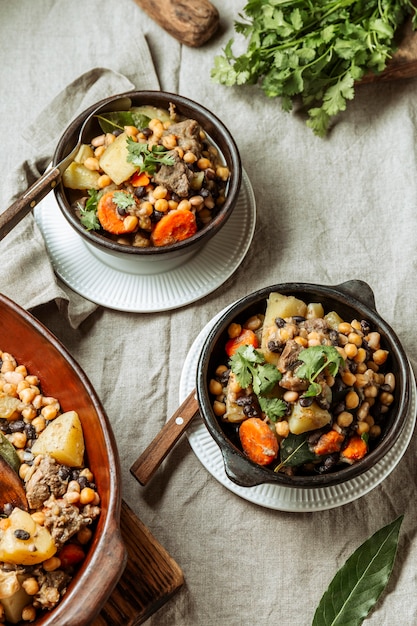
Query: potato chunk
{"points": [[278, 305], [114, 160], [63, 440], [77, 176], [12, 595], [305, 418], [25, 542]]}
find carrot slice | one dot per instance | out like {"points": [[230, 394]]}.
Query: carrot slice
{"points": [[175, 226], [140, 179], [355, 450], [329, 442], [109, 217], [246, 338], [258, 441]]}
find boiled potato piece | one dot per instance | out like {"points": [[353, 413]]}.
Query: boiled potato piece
{"points": [[77, 176], [114, 160], [305, 418], [152, 112], [333, 319], [314, 310], [25, 542], [13, 597], [84, 152], [63, 440], [8, 406], [278, 305]]}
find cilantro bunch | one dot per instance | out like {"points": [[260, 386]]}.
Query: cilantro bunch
{"points": [[313, 50]]}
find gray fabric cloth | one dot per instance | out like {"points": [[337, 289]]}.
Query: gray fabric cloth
{"points": [[329, 210]]}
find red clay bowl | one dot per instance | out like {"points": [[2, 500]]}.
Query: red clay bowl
{"points": [[154, 259], [34, 346], [353, 299]]}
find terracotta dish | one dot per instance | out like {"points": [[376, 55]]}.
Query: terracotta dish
{"points": [[61, 377]]}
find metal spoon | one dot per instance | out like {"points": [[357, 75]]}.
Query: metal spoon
{"points": [[40, 188], [12, 490]]}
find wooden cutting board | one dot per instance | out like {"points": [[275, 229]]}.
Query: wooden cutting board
{"points": [[404, 62], [151, 577]]}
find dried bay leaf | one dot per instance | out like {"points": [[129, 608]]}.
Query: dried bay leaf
{"points": [[359, 583]]}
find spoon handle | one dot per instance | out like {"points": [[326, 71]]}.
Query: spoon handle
{"points": [[148, 462], [21, 207]]}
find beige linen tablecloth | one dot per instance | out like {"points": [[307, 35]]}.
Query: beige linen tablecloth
{"points": [[328, 211]]}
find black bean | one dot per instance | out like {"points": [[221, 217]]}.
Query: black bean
{"points": [[82, 481], [30, 431], [306, 401], [64, 472], [21, 534], [17, 426], [298, 319], [8, 508], [328, 463], [365, 326], [121, 212], [280, 322], [140, 192], [275, 346]]}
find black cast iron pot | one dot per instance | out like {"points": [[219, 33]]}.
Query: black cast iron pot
{"points": [[351, 300]]}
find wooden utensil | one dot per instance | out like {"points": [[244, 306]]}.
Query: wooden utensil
{"points": [[192, 23], [148, 462], [149, 580], [11, 487]]}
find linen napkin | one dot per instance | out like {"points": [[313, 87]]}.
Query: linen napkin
{"points": [[27, 276]]}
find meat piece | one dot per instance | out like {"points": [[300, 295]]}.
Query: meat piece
{"points": [[286, 364], [289, 356], [64, 520], [44, 480], [52, 586], [176, 178], [318, 325], [188, 136]]}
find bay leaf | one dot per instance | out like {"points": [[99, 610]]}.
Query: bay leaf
{"points": [[294, 450], [359, 583]]}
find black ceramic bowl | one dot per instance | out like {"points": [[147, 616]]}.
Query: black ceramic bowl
{"points": [[154, 259], [351, 300]]}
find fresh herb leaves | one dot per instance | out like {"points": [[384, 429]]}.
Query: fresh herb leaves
{"points": [[315, 51], [359, 583], [88, 213], [250, 368], [147, 159], [123, 200], [315, 360]]}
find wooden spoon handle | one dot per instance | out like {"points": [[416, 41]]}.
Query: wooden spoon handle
{"points": [[192, 23], [148, 462], [21, 207]]}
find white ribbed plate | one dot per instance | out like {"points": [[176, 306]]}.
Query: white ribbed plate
{"points": [[207, 270], [291, 499]]}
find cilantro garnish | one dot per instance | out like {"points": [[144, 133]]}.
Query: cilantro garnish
{"points": [[88, 212], [315, 360], [148, 159], [123, 199], [316, 50], [250, 368]]}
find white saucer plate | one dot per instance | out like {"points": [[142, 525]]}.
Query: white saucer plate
{"points": [[290, 499], [207, 270]]}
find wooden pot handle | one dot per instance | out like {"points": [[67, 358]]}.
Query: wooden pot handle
{"points": [[191, 22], [148, 462]]}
